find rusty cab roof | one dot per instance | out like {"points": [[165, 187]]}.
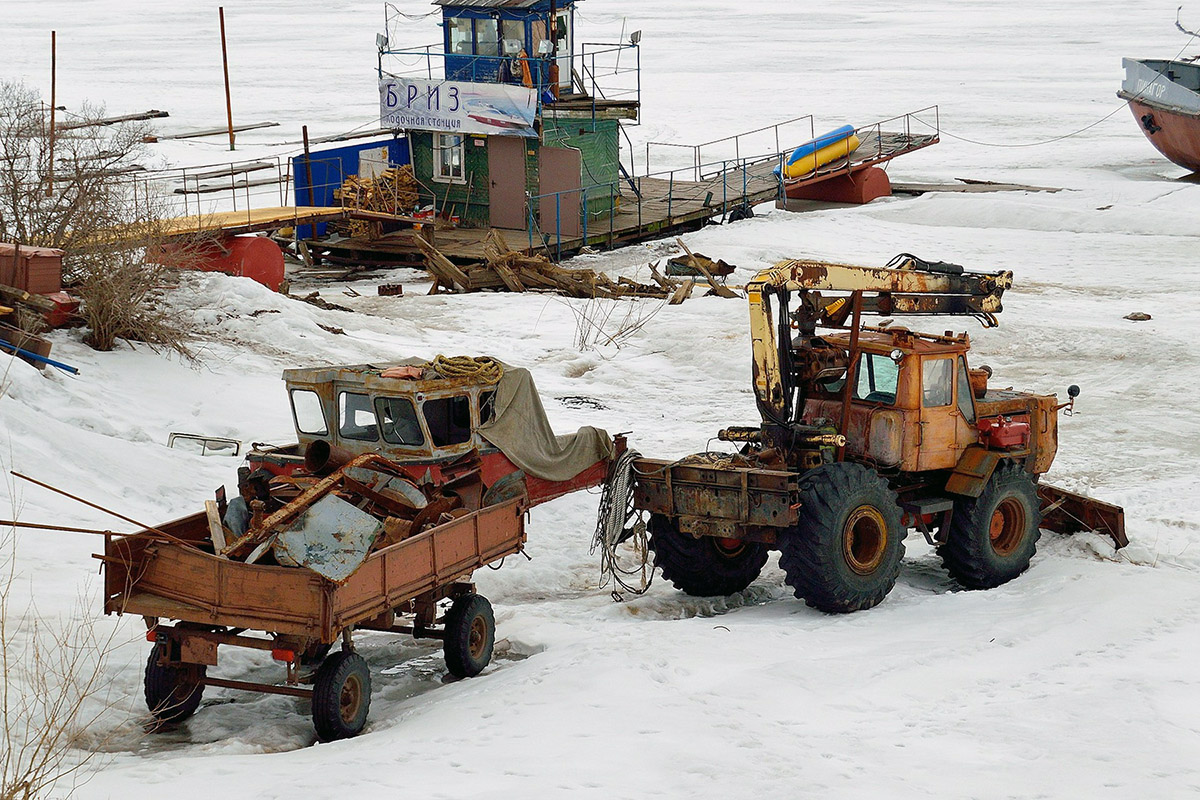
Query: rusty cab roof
{"points": [[370, 378]]}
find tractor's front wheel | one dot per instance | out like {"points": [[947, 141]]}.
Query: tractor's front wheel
{"points": [[844, 553], [993, 537], [705, 566]]}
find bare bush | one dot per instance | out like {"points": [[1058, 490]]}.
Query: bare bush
{"points": [[54, 688], [610, 323], [78, 191]]}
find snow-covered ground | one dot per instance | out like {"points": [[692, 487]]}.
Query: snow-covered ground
{"points": [[1077, 679]]}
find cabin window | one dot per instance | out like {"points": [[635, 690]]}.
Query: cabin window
{"points": [[448, 157], [460, 35], [966, 403], [877, 378], [487, 37], [448, 419], [308, 413], [937, 382], [398, 421], [513, 35], [487, 407], [356, 419]]}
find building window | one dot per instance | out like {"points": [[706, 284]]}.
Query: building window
{"points": [[448, 158], [487, 38], [460, 36], [514, 36]]}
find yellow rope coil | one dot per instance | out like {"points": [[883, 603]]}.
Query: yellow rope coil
{"points": [[485, 369]]}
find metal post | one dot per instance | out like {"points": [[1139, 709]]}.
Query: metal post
{"points": [[584, 199], [558, 225], [225, 68], [851, 372], [670, 195], [53, 103], [308, 168]]}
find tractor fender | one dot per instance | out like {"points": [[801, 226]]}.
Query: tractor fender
{"points": [[972, 472]]}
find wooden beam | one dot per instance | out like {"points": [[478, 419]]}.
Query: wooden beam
{"points": [[151, 138], [93, 123]]}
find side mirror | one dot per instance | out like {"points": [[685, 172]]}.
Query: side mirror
{"points": [[1068, 407], [1072, 391]]}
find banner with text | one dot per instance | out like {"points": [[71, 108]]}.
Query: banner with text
{"points": [[494, 109]]}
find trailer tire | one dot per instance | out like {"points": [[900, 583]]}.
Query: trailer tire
{"points": [[341, 696], [844, 553], [704, 567], [172, 693], [469, 635], [993, 537]]}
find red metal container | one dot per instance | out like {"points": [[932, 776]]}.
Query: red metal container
{"points": [[1004, 433], [37, 270]]}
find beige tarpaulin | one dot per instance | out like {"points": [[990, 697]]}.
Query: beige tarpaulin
{"points": [[522, 432]]}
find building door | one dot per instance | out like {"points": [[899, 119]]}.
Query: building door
{"points": [[564, 44], [560, 176], [506, 170]]}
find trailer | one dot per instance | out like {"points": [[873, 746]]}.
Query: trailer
{"points": [[297, 615]]}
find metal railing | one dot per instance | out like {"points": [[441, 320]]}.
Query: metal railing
{"points": [[760, 143], [598, 72]]}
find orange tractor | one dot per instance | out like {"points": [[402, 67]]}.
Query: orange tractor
{"points": [[867, 432]]}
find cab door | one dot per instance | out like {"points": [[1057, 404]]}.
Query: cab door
{"points": [[940, 418]]}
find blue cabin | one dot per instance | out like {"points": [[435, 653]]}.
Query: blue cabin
{"points": [[511, 122], [510, 41]]}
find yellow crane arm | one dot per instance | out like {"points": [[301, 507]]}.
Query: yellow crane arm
{"points": [[912, 287]]}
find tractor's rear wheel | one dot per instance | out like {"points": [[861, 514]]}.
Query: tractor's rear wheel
{"points": [[993, 537], [707, 566], [844, 553]]}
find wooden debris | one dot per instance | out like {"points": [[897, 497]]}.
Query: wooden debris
{"points": [[510, 270], [720, 289], [682, 293], [393, 192], [151, 138], [92, 123], [390, 290], [320, 302]]}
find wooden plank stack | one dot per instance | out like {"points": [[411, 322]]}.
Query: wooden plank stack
{"points": [[393, 191], [508, 270]]}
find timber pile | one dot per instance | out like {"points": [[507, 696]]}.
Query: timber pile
{"points": [[510, 270], [393, 191]]}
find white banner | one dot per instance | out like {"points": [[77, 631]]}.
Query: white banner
{"points": [[454, 107]]}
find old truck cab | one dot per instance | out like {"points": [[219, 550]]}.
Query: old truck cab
{"points": [[359, 410]]}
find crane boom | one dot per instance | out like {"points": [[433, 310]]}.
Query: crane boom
{"points": [[908, 285]]}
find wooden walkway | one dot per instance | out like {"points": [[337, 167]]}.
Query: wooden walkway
{"points": [[665, 207]]}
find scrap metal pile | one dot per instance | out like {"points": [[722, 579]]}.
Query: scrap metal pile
{"points": [[330, 521], [510, 270]]}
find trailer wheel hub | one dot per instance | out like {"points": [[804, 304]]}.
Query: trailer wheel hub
{"points": [[478, 637], [864, 539], [1007, 527], [351, 698]]}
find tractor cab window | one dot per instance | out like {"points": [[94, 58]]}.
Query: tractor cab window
{"points": [[877, 379], [356, 419], [398, 421], [307, 413], [487, 407], [449, 420], [966, 403], [937, 382]]}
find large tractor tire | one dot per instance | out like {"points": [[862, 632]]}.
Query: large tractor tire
{"points": [[993, 537], [844, 553], [704, 567], [172, 693]]}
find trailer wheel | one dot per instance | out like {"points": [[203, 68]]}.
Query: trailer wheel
{"points": [[704, 567], [172, 693], [993, 537], [470, 635], [341, 696], [844, 553]]}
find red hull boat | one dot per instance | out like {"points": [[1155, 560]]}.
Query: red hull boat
{"points": [[1164, 97]]}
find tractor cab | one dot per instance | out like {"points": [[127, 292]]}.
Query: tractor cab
{"points": [[912, 408], [369, 408]]}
